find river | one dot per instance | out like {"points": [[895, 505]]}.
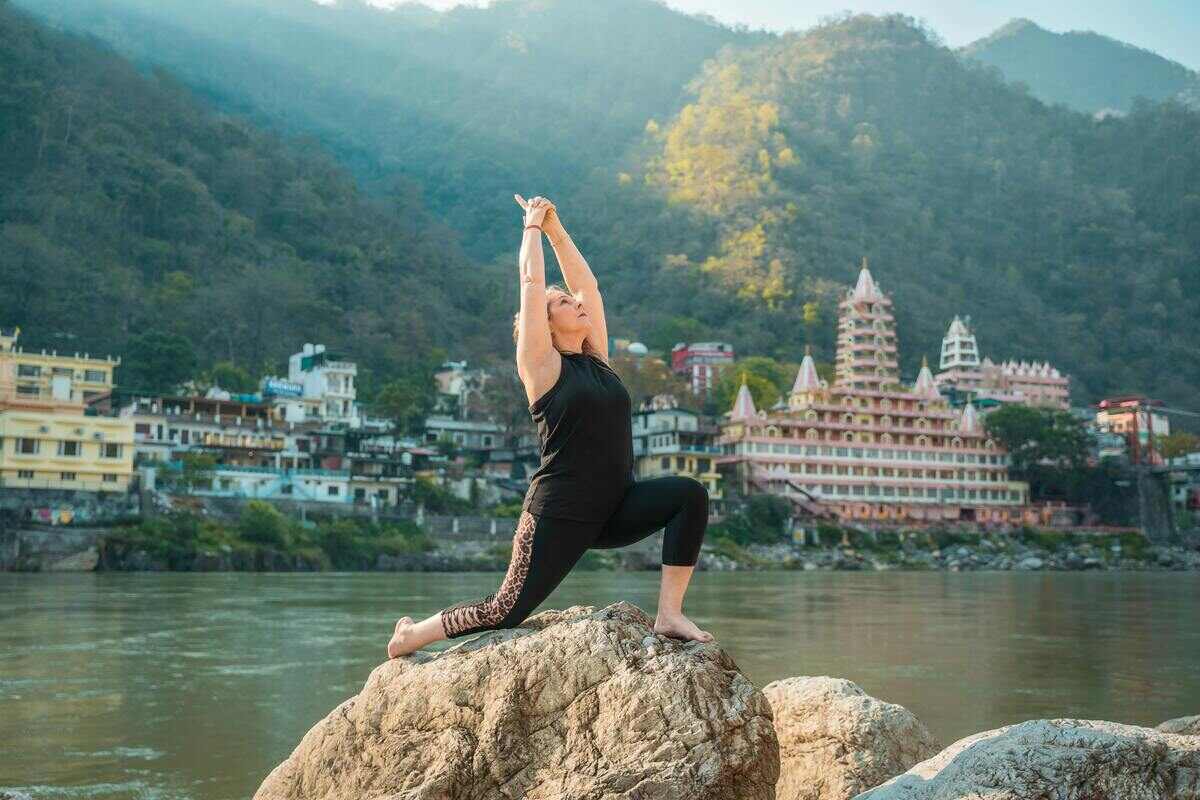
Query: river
{"points": [[193, 686]]}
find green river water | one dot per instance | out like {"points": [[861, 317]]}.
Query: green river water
{"points": [[196, 685]]}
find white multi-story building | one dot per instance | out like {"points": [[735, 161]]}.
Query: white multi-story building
{"points": [[319, 385]]}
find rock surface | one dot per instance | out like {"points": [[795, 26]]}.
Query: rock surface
{"points": [[835, 740], [581, 703], [1064, 759], [1188, 726]]}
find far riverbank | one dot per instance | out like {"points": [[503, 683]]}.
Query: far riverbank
{"points": [[263, 540]]}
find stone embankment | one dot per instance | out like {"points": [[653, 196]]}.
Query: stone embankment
{"points": [[592, 705], [985, 553]]}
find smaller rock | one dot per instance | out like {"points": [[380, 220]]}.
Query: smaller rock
{"points": [[836, 740], [1067, 759], [1188, 726], [1030, 563]]}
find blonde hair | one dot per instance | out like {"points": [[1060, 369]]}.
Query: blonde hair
{"points": [[588, 347]]}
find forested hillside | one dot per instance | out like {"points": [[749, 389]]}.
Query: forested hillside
{"points": [[475, 103], [1063, 237], [1085, 70], [722, 184], [132, 220]]}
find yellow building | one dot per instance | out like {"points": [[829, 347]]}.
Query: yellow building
{"points": [[47, 441], [42, 449], [52, 376]]}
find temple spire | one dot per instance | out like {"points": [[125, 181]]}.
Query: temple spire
{"points": [[865, 289], [743, 404], [807, 379], [925, 385]]}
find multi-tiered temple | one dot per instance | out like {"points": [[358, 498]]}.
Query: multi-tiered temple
{"points": [[1028, 383], [869, 447]]}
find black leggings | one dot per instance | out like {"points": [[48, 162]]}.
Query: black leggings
{"points": [[546, 548]]}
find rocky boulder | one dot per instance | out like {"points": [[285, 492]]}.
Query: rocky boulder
{"points": [[835, 740], [580, 703], [1066, 759], [1188, 726]]}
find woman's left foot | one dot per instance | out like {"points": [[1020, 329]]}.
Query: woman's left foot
{"points": [[680, 627], [401, 643]]}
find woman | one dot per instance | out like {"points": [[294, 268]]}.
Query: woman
{"points": [[583, 495]]}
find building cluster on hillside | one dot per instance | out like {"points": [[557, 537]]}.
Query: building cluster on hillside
{"points": [[865, 447]]}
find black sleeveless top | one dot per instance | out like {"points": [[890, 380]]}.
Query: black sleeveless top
{"points": [[586, 430]]}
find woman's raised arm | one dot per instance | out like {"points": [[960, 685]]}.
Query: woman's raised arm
{"points": [[579, 278], [538, 363]]}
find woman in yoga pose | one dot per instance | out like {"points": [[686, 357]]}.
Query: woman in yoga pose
{"points": [[584, 495]]}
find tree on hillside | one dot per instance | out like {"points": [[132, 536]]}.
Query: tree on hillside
{"points": [[406, 401], [230, 377], [1177, 444], [504, 401], [1033, 436], [647, 376], [157, 362], [768, 379]]}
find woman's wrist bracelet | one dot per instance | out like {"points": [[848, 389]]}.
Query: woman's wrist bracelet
{"points": [[539, 227]]}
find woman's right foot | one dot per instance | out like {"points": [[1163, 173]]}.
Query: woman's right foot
{"points": [[402, 640]]}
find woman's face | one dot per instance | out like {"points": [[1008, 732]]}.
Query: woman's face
{"points": [[566, 313]]}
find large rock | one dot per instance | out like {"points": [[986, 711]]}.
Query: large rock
{"points": [[835, 740], [573, 704], [1064, 759], [1188, 726]]}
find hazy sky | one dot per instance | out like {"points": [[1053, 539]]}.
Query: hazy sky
{"points": [[1168, 27]]}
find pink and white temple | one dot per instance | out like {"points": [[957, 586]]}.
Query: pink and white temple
{"points": [[869, 448]]}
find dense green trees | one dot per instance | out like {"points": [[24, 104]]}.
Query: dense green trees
{"points": [[143, 225], [1064, 238], [735, 205]]}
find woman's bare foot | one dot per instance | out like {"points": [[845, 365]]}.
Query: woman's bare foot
{"points": [[402, 640], [680, 627]]}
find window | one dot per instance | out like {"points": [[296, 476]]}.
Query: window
{"points": [[69, 448], [333, 491], [25, 473], [110, 450], [487, 440], [95, 376], [28, 391], [67, 476], [665, 462], [28, 447], [28, 371], [110, 477]]}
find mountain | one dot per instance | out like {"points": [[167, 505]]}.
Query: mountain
{"points": [[132, 215], [474, 103], [1064, 237], [1082, 69], [723, 185]]}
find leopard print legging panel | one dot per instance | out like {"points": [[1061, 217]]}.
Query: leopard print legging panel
{"points": [[491, 611]]}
